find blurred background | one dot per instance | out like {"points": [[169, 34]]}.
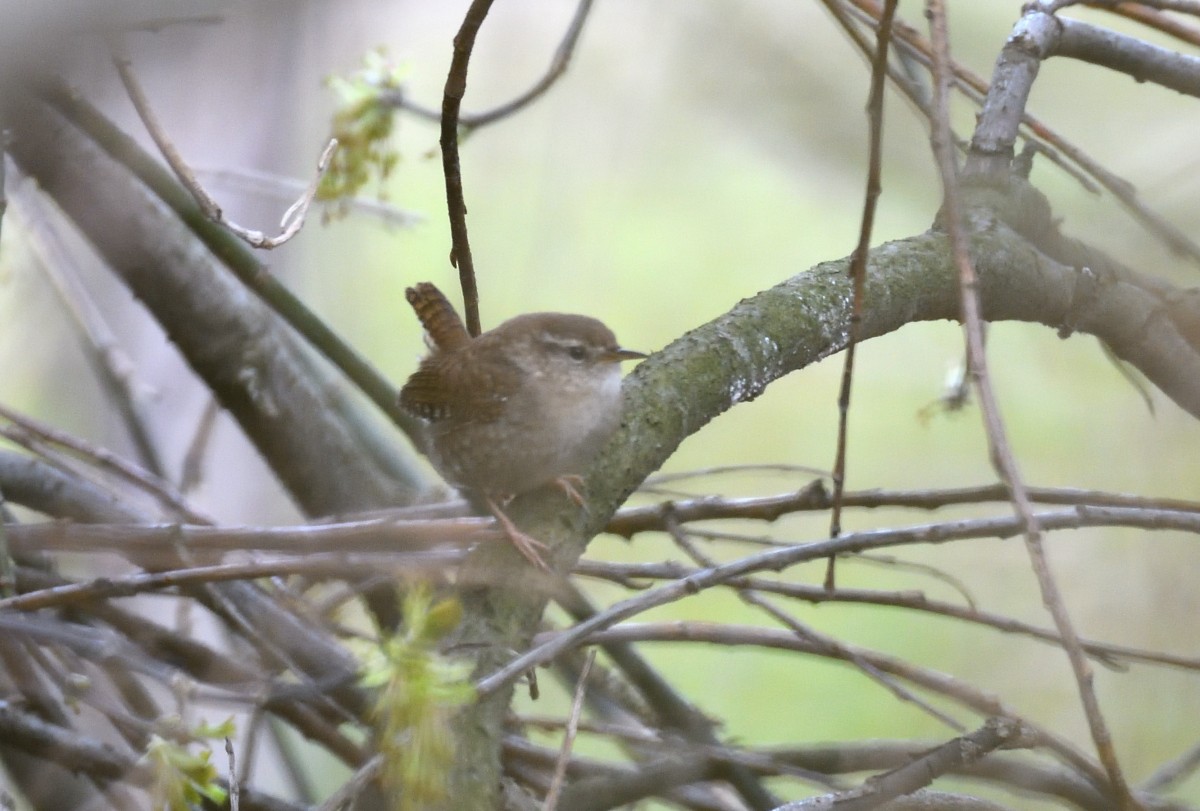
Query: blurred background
{"points": [[694, 154]]}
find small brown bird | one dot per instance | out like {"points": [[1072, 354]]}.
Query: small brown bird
{"points": [[526, 404]]}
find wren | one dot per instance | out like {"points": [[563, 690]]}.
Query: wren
{"points": [[526, 404]]}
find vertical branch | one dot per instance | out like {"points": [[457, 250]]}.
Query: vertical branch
{"points": [[858, 266], [456, 206], [1001, 453]]}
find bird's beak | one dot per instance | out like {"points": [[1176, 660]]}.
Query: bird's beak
{"points": [[623, 354]]}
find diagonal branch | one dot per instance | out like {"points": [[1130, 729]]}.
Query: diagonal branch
{"points": [[1000, 451]]}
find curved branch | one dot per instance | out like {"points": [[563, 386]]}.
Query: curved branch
{"points": [[1140, 60], [558, 66], [804, 319]]}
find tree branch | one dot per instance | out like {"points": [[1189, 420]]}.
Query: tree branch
{"points": [[288, 406]]}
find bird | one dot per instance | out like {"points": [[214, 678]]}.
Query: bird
{"points": [[525, 404]]}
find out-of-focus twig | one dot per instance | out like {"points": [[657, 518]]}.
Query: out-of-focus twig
{"points": [[279, 186], [293, 218], [112, 365], [1003, 460], [560, 767]]}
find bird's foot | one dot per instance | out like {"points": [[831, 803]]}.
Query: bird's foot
{"points": [[570, 484], [526, 544]]}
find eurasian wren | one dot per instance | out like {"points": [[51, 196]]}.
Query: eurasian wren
{"points": [[525, 404]]}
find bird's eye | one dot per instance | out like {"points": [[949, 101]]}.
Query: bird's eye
{"points": [[577, 352]]}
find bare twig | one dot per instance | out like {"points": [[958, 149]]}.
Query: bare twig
{"points": [[752, 597], [106, 460], [560, 766], [1150, 18], [950, 756], [367, 536], [630, 521], [3, 175], [1000, 451], [329, 564], [655, 482], [1182, 6], [456, 206], [113, 366], [558, 66], [634, 575], [778, 559], [1174, 772], [858, 265], [293, 217], [279, 186]]}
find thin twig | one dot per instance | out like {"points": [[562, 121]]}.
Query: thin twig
{"points": [[3, 175], [369, 537], [293, 218], [635, 575], [1150, 18], [456, 205], [558, 66], [630, 521], [564, 757], [951, 756], [330, 564], [104, 459], [752, 597], [112, 364], [999, 449], [858, 266], [1182, 6], [280, 187], [1173, 772], [957, 690], [8, 578], [779, 559]]}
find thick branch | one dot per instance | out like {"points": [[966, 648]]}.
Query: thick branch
{"points": [[804, 319], [1140, 60], [798, 322], [287, 404]]}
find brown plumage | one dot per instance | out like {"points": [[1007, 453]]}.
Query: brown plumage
{"points": [[526, 404]]}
